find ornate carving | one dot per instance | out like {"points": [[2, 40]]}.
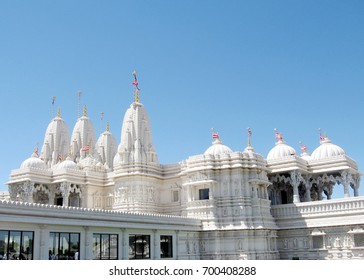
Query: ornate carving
{"points": [[64, 188], [199, 176], [296, 178], [26, 191]]}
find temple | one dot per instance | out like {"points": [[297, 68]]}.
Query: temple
{"points": [[83, 197]]}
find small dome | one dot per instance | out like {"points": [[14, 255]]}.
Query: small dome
{"points": [[67, 164], [327, 150], [33, 162], [306, 156], [88, 162], [218, 148], [280, 151]]}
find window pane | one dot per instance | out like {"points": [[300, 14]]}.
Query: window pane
{"points": [[139, 246], [105, 247], [113, 246], [318, 242], [64, 242], [74, 246], [203, 194], [53, 245], [166, 246], [132, 247], [359, 240], [96, 246], [3, 245], [27, 245], [14, 245], [175, 196], [146, 249]]}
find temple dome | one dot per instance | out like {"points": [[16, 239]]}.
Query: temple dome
{"points": [[306, 156], [281, 151], [217, 148], [327, 150], [67, 164], [33, 162], [89, 162]]}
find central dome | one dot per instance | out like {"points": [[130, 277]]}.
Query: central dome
{"points": [[218, 148]]}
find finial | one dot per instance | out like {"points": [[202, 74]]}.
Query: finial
{"points": [[322, 138], [303, 147], [215, 135], [136, 96], [249, 135], [84, 111], [107, 127], [135, 84], [36, 149], [101, 120], [59, 112], [279, 136]]}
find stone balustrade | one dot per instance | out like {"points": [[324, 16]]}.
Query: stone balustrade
{"points": [[318, 208]]}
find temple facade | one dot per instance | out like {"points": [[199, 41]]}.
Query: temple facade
{"points": [[86, 198]]}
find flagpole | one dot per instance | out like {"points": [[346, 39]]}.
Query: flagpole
{"points": [[101, 119], [53, 100], [79, 93]]}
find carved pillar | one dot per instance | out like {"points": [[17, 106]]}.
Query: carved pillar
{"points": [[65, 191], [83, 196], [254, 189], [13, 192], [308, 186], [27, 190], [345, 180], [356, 185], [52, 194], [295, 180]]}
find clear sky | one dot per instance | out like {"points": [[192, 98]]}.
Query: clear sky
{"points": [[292, 65]]}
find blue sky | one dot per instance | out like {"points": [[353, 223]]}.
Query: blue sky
{"points": [[292, 65]]}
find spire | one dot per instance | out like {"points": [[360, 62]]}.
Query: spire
{"points": [[135, 84], [59, 113], [107, 127], [84, 111]]}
